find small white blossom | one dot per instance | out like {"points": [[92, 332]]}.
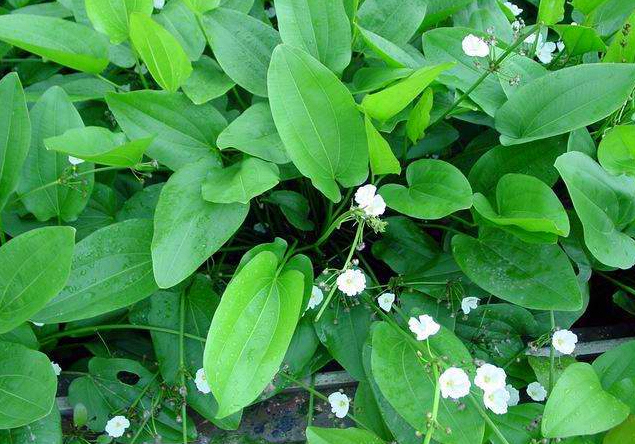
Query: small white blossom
{"points": [[564, 341], [423, 327], [513, 8], [474, 46], [270, 12], [385, 301], [454, 383], [351, 282], [514, 395], [116, 426], [517, 26], [469, 303], [560, 45], [159, 4], [75, 160], [38, 324], [260, 228], [490, 378], [536, 391], [496, 400], [316, 297], [544, 50], [339, 404], [369, 201], [56, 368], [201, 381]]}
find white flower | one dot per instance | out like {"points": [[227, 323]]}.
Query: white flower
{"points": [[270, 12], [369, 201], [339, 404], [316, 297], [564, 341], [513, 8], [424, 327], [351, 282], [201, 382], [75, 160], [474, 46], [517, 26], [496, 400], [260, 228], [469, 303], [56, 368], [159, 4], [514, 395], [544, 50], [37, 324], [490, 378], [454, 383], [116, 426], [536, 391], [560, 45], [386, 300]]}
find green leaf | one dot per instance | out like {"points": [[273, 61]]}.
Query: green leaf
{"points": [[79, 86], [385, 104], [563, 101], [320, 28], [188, 229], [607, 16], [382, 158], [616, 364], [33, 268], [111, 269], [319, 435], [253, 132], [622, 433], [579, 406], [318, 121], [441, 9], [369, 79], [241, 181], [64, 42], [622, 46], [98, 145], [183, 133], [295, 208], [394, 20], [160, 51], [605, 205], [407, 384], [419, 117], [46, 430], [182, 23], [525, 202], [201, 6], [251, 331], [15, 135], [550, 12], [242, 45], [436, 189], [535, 276], [207, 82], [616, 152], [53, 115], [111, 17], [28, 385], [394, 55], [579, 40], [518, 425]]}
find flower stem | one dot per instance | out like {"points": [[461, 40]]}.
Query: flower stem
{"points": [[487, 419], [96, 328], [552, 358], [344, 217], [182, 367], [435, 405], [624, 287]]}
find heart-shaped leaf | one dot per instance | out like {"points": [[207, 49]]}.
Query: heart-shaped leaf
{"points": [[616, 152], [319, 435]]}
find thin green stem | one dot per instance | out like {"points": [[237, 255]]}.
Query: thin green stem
{"points": [[443, 227], [435, 405], [461, 220], [3, 238], [239, 99], [344, 217], [110, 82], [10, 60], [144, 82], [623, 286], [309, 419], [182, 368], [552, 354], [96, 328], [487, 419]]}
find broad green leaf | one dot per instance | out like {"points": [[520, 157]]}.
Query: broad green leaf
{"points": [[253, 132], [28, 385], [550, 12], [15, 135], [394, 20], [51, 116], [188, 229], [518, 424], [79, 86], [563, 101], [622, 46], [111, 269], [607, 16], [142, 204], [387, 103], [535, 276], [45, 430], [160, 51], [251, 331], [382, 159], [435, 189], [525, 202], [295, 208], [100, 211], [394, 55], [605, 205], [183, 133], [419, 117], [182, 23], [616, 152], [99, 145], [207, 81], [201, 6], [239, 5], [579, 40], [112, 17], [366, 407], [319, 435], [33, 268], [622, 433], [318, 121], [407, 384], [23, 334], [484, 15], [319, 28], [579, 406], [370, 79], [242, 45], [581, 140], [616, 364], [441, 9], [64, 42], [241, 181]]}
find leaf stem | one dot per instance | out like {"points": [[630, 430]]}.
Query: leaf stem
{"points": [[109, 327], [552, 358], [182, 367], [344, 217], [624, 287], [435, 405]]}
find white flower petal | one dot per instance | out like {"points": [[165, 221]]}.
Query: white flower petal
{"points": [[514, 395], [201, 381], [117, 426], [423, 327], [75, 160], [385, 301], [490, 378], [56, 368], [351, 282], [317, 296], [376, 207], [536, 391], [513, 8], [339, 404], [474, 46], [159, 4], [454, 383], [564, 341], [469, 303], [496, 400], [364, 195]]}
